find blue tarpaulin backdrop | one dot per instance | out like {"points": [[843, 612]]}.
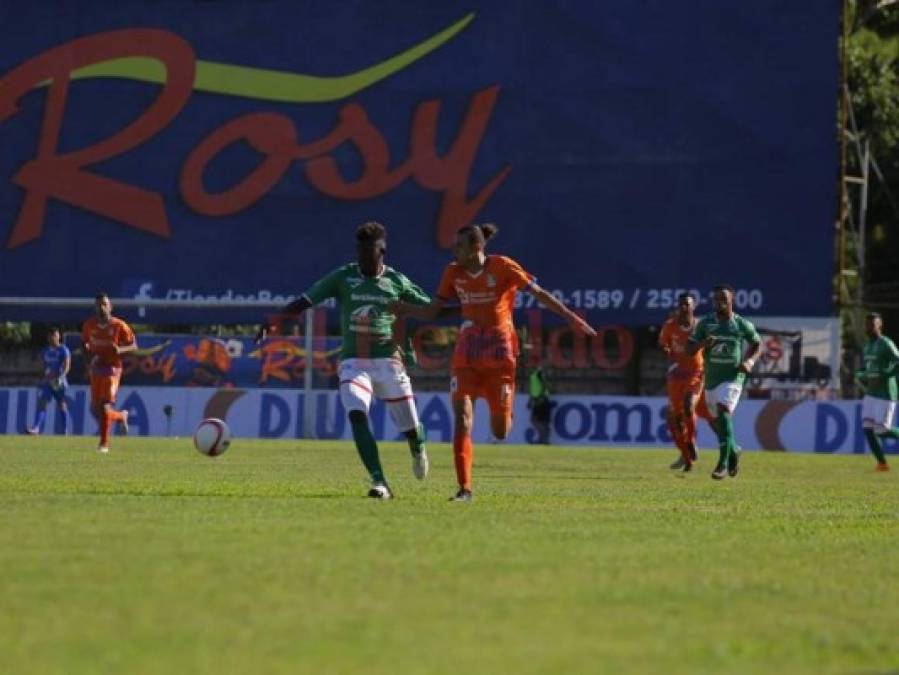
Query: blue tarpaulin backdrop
{"points": [[626, 150]]}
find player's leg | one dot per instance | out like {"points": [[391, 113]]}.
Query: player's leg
{"points": [[63, 408], [463, 449], [463, 386], [694, 399], [355, 395], [887, 430], [876, 419], [393, 386], [99, 397], [726, 439], [674, 419], [500, 393], [718, 426], [540, 418], [40, 412], [104, 389], [727, 404]]}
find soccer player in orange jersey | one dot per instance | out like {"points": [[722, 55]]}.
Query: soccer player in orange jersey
{"points": [[106, 338], [684, 381], [484, 359]]}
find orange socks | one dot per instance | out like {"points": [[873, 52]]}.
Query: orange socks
{"points": [[110, 417], [690, 428], [463, 452]]}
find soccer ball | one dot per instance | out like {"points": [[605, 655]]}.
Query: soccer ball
{"points": [[212, 437]]}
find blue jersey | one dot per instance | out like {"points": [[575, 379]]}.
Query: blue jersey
{"points": [[54, 359]]}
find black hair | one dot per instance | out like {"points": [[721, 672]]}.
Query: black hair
{"points": [[53, 329], [479, 233], [684, 296], [724, 287], [874, 315], [99, 296], [370, 231]]}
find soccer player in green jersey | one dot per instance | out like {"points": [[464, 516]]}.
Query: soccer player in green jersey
{"points": [[371, 360], [723, 335], [879, 381]]}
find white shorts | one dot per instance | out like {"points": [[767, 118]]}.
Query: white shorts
{"points": [[361, 379], [877, 413], [726, 394]]}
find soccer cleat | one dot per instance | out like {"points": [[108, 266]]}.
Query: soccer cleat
{"points": [[688, 467], [733, 464], [720, 471], [102, 449], [679, 463], [462, 495], [882, 467], [32, 431], [380, 491], [124, 423], [420, 464]]}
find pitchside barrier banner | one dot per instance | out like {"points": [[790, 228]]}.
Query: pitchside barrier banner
{"points": [[207, 361], [798, 353], [226, 151], [809, 426]]}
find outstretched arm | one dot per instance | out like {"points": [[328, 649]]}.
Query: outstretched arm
{"points": [[553, 305], [429, 312], [292, 309]]}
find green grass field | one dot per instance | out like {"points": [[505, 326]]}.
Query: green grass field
{"points": [[155, 559]]}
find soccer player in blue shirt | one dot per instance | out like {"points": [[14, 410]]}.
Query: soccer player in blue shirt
{"points": [[57, 360]]}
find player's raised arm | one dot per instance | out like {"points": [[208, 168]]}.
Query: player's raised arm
{"points": [[550, 302]]}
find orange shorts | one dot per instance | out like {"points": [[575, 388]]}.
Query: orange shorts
{"points": [[497, 385], [679, 388], [104, 388]]}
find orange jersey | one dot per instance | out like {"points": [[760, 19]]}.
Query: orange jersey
{"points": [[673, 339], [487, 298], [100, 341]]}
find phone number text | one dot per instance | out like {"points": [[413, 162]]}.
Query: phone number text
{"points": [[641, 298]]}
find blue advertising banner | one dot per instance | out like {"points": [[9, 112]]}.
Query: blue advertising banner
{"points": [[602, 421], [228, 150]]}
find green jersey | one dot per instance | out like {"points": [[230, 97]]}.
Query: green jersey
{"points": [[881, 363], [725, 354], [365, 322]]}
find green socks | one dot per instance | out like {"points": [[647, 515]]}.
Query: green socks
{"points": [[367, 447], [416, 438], [875, 444], [726, 441]]}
